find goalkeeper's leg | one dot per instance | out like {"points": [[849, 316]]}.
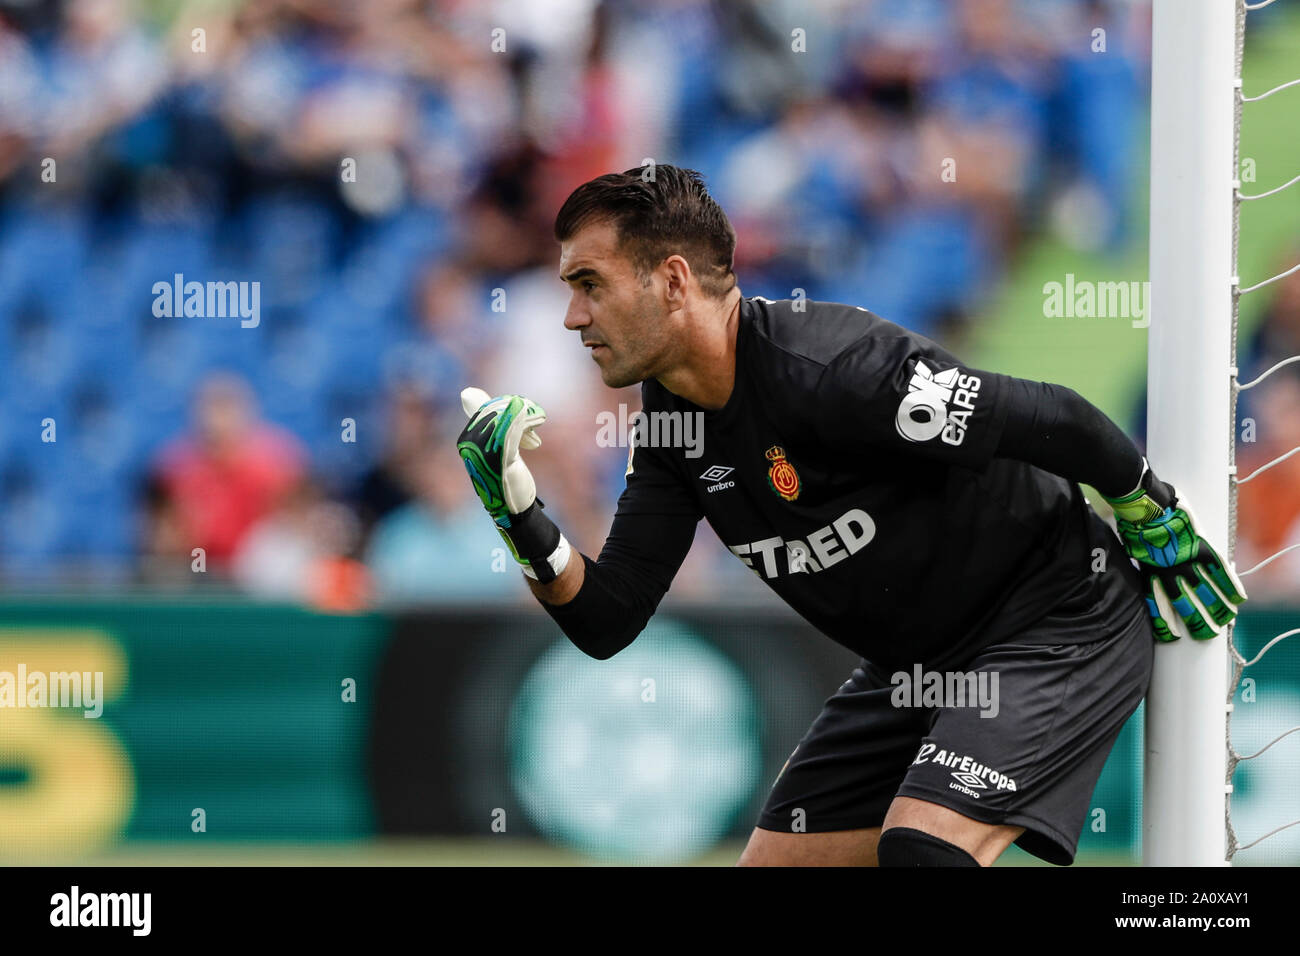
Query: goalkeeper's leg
{"points": [[839, 788], [1016, 764], [837, 848], [923, 834]]}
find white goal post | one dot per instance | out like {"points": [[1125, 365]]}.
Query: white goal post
{"points": [[1194, 67]]}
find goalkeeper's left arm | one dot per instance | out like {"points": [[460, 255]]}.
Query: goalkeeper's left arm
{"points": [[1190, 588]]}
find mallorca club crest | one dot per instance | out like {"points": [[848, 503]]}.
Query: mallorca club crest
{"points": [[781, 476]]}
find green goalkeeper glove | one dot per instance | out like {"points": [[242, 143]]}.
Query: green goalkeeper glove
{"points": [[1160, 534], [489, 446]]}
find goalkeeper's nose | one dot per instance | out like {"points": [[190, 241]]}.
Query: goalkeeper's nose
{"points": [[576, 317]]}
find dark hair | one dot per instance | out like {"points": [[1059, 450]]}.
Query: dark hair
{"points": [[658, 211]]}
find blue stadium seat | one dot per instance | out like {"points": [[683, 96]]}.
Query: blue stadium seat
{"points": [[927, 261], [292, 245], [169, 361], [43, 250], [35, 507], [106, 520], [379, 269], [155, 253]]}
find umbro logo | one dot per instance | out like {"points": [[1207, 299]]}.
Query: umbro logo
{"points": [[716, 473], [968, 772]]}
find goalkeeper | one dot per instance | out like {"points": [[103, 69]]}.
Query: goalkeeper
{"points": [[922, 513]]}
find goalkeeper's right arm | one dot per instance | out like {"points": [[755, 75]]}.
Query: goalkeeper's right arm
{"points": [[566, 585], [600, 605]]}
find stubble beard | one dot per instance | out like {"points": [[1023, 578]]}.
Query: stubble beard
{"points": [[622, 374]]}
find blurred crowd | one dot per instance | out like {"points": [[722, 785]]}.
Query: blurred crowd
{"points": [[388, 173], [1268, 416]]}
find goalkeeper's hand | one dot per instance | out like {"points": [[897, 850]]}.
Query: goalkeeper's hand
{"points": [[1190, 588], [489, 446]]}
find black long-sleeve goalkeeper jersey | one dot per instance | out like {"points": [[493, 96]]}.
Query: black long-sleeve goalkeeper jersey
{"points": [[862, 472]]}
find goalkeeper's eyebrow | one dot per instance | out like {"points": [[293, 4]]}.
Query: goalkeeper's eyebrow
{"points": [[582, 273]]}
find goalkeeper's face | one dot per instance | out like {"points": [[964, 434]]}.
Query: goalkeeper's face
{"points": [[632, 325]]}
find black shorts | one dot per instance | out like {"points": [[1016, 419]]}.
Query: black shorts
{"points": [[1053, 699]]}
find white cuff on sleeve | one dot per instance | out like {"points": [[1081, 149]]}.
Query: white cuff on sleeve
{"points": [[558, 559]]}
